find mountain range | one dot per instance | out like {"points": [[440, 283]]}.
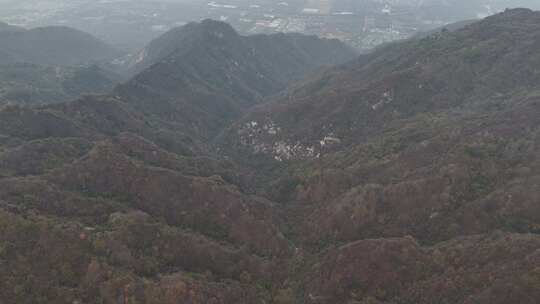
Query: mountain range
{"points": [[284, 169]]}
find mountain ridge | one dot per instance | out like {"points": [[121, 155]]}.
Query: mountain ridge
{"points": [[213, 74], [421, 80]]}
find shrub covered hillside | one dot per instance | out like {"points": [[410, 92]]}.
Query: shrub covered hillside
{"points": [[407, 176]]}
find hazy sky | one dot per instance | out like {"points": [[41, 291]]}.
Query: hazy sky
{"points": [[129, 24]]}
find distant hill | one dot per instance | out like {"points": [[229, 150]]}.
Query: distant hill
{"points": [[4, 27], [179, 41], [54, 45], [449, 27], [30, 84], [203, 75]]}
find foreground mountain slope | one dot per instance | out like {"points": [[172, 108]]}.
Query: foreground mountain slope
{"points": [[204, 240], [53, 45]]}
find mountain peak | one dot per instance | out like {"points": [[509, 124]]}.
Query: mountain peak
{"points": [[181, 39], [207, 28]]}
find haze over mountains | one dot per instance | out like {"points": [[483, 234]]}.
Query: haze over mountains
{"points": [[281, 169], [57, 46], [52, 64], [364, 24], [202, 76]]}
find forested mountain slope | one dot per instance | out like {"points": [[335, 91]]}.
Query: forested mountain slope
{"points": [[410, 175], [202, 76], [116, 198]]}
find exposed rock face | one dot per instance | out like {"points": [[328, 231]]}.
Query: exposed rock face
{"points": [[411, 175]]}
